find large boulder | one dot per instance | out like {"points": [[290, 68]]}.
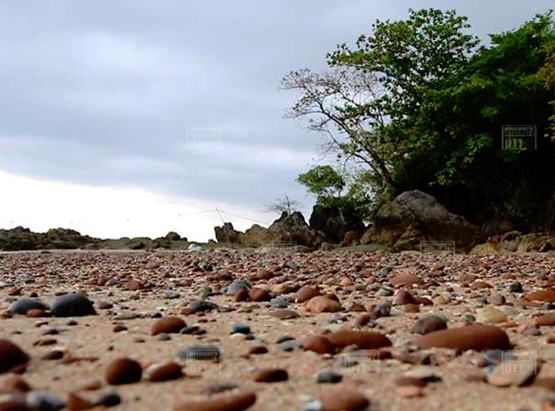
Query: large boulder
{"points": [[289, 229], [335, 221], [226, 234], [414, 217]]}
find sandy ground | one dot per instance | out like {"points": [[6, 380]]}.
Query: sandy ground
{"points": [[352, 276]]}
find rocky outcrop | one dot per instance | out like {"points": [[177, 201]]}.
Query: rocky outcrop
{"points": [[335, 221], [289, 229], [515, 241], [20, 239], [415, 217]]}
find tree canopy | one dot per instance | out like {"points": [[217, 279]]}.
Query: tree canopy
{"points": [[420, 105]]}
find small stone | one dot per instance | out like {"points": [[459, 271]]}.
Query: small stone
{"points": [[110, 399], [11, 356], [72, 305], [362, 339], [23, 305], [201, 353], [234, 402], [163, 372], [490, 315], [513, 372], [44, 401], [241, 295], [259, 295], [288, 345], [285, 314], [343, 399], [329, 377], [167, 325], [306, 293], [381, 310], [516, 287], [321, 304], [439, 300], [240, 328], [77, 402], [281, 301], [545, 320], [403, 297], [237, 285], [428, 324], [257, 350], [202, 305], [471, 337], [318, 344], [270, 375], [123, 371], [497, 299], [547, 295]]}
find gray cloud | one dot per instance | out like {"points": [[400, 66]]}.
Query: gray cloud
{"points": [[179, 97]]}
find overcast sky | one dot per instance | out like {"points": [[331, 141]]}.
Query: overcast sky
{"points": [[135, 117]]}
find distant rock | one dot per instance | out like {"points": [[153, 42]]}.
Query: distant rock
{"points": [[335, 222], [413, 217]]}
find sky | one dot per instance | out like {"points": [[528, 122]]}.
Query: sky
{"points": [[135, 117]]}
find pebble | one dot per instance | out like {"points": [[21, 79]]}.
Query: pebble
{"points": [[329, 377], [226, 402], [471, 337], [237, 285], [77, 402], [343, 399], [381, 310], [318, 344], [403, 297], [200, 352], [490, 315], [321, 304], [72, 305], [240, 328], [259, 294], [513, 372], [123, 371], [428, 324], [362, 339], [23, 305], [285, 314], [167, 325], [270, 375], [163, 372], [11, 356], [109, 399], [515, 287], [306, 293], [202, 305], [547, 295], [44, 401], [545, 320]]}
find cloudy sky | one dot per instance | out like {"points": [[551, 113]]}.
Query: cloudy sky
{"points": [[135, 117]]}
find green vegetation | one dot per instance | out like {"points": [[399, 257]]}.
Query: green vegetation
{"points": [[418, 104]]}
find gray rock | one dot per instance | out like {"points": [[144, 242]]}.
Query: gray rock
{"points": [[72, 305], [23, 305]]}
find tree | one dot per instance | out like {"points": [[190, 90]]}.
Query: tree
{"points": [[363, 101], [284, 205], [322, 181]]}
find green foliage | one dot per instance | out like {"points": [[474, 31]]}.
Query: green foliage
{"points": [[322, 181], [419, 106]]}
